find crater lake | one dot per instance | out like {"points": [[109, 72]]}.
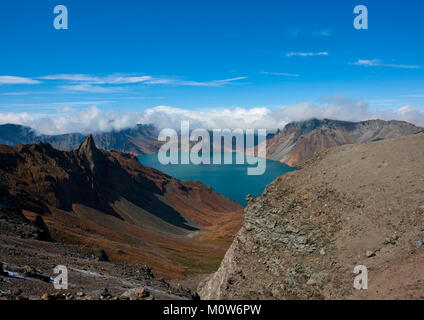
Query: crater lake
{"points": [[230, 180]]}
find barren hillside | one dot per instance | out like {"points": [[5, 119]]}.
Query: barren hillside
{"points": [[351, 205], [109, 201]]}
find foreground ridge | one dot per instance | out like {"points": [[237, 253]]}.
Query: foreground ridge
{"points": [[109, 202], [348, 206]]}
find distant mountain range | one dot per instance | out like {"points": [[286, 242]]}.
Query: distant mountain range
{"points": [[298, 141], [295, 143], [139, 140]]}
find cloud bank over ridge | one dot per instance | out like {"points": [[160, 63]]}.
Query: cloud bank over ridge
{"points": [[93, 119]]}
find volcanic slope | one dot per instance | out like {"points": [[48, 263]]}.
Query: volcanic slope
{"points": [[108, 200], [347, 206]]}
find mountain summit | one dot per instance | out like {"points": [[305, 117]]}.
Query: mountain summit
{"points": [[92, 157]]}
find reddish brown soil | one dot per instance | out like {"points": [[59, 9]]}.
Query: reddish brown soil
{"points": [[109, 201]]}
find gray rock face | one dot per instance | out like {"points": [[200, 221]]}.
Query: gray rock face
{"points": [[274, 255]]}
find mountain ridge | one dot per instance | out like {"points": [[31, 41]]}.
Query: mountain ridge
{"points": [[139, 140], [108, 200], [298, 141], [293, 144]]}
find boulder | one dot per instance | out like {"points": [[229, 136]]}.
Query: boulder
{"points": [[137, 294]]}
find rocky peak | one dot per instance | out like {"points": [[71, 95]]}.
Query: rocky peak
{"points": [[87, 145], [92, 157]]}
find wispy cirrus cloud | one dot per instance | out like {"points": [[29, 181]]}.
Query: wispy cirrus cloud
{"points": [[305, 31], [283, 74], [90, 79], [379, 63], [306, 54], [212, 83], [90, 83], [322, 33], [55, 105], [17, 80], [89, 88]]}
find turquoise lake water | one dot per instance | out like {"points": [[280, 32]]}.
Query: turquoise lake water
{"points": [[230, 180]]}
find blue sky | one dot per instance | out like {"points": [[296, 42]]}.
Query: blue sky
{"points": [[130, 56]]}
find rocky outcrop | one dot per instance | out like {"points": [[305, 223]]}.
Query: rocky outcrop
{"points": [[348, 206], [12, 220], [136, 294], [298, 141]]}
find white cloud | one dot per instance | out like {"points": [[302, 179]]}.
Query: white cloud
{"points": [[283, 74], [17, 80], [368, 63], [85, 82], [307, 54], [89, 79], [93, 119], [322, 33], [302, 31], [68, 120], [170, 117], [212, 83], [379, 63], [342, 108], [88, 88]]}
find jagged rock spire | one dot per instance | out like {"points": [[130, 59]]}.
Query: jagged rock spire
{"points": [[91, 156], [87, 144]]}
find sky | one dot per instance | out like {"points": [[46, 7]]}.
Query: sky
{"points": [[216, 63]]}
